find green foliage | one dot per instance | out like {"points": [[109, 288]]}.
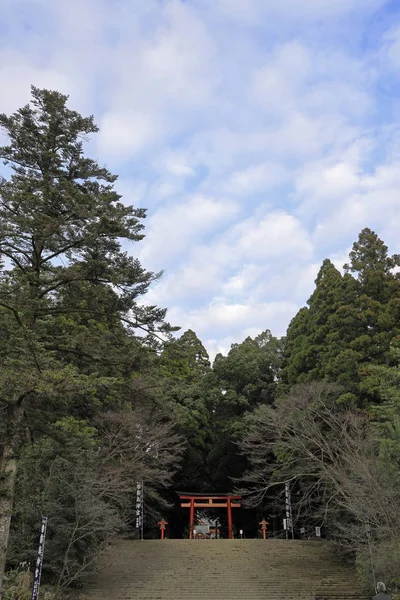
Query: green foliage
{"points": [[349, 323], [77, 340], [59, 477], [184, 367], [243, 380], [386, 557], [18, 583], [185, 358], [69, 297], [184, 372], [96, 394], [386, 416], [84, 479], [249, 373]]}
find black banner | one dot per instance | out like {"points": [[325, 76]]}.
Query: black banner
{"points": [[39, 560]]}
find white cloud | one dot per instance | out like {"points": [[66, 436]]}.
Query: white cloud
{"points": [[233, 322], [132, 191], [239, 270], [340, 259], [163, 189], [242, 281], [251, 129], [194, 279], [375, 200], [178, 166], [173, 228], [294, 281], [174, 165], [168, 77], [276, 235], [322, 186], [124, 134], [256, 178], [18, 73], [286, 71], [224, 317]]}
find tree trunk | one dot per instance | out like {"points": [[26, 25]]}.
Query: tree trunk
{"points": [[8, 477]]}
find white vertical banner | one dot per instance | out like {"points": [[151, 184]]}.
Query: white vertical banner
{"points": [[139, 507], [39, 560], [288, 507]]}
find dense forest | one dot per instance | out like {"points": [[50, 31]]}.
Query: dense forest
{"points": [[98, 391]]}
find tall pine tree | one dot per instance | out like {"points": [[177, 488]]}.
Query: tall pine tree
{"points": [[349, 323], [185, 374], [243, 380], [65, 284]]}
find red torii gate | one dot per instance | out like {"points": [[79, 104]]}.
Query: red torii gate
{"points": [[194, 501]]}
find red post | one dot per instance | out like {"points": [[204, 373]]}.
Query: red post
{"points": [[230, 532], [264, 524], [191, 518], [163, 523]]}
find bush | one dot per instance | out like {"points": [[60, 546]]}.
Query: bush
{"points": [[18, 583], [58, 478], [386, 561]]}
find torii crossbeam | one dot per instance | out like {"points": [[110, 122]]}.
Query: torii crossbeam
{"points": [[194, 501]]}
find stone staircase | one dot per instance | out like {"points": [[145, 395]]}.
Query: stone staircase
{"points": [[222, 570]]}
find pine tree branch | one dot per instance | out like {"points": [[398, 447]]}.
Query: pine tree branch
{"points": [[15, 260], [14, 212], [70, 280], [22, 397], [64, 250], [8, 245], [14, 311], [20, 164]]}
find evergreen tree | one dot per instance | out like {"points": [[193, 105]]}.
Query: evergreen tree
{"points": [[250, 370], [243, 380], [349, 323], [308, 331], [185, 358], [373, 267], [185, 374], [66, 288]]}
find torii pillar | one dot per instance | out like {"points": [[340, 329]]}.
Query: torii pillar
{"points": [[230, 528], [191, 519]]}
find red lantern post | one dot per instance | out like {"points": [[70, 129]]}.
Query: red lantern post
{"points": [[264, 524], [162, 524]]}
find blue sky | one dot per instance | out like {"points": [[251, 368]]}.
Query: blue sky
{"points": [[261, 135]]}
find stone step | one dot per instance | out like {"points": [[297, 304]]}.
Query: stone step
{"points": [[222, 570]]}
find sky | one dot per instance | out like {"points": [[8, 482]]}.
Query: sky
{"points": [[261, 136]]}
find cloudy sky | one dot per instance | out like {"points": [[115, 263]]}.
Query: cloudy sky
{"points": [[261, 135]]}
